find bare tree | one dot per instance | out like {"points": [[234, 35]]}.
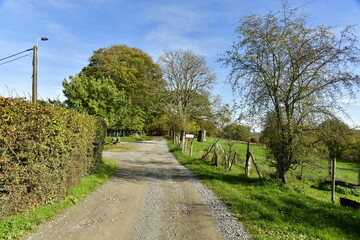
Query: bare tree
{"points": [[297, 74], [187, 76]]}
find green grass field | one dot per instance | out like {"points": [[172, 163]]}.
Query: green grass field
{"points": [[272, 210], [311, 173]]}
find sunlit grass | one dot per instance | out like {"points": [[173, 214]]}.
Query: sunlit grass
{"points": [[272, 210]]}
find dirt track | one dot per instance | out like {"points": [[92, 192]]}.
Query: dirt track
{"points": [[151, 197]]}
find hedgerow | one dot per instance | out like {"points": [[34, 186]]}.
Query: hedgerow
{"points": [[43, 152]]}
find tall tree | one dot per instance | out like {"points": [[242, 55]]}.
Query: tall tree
{"points": [[237, 132], [101, 98], [188, 77], [337, 138], [296, 73], [133, 72], [336, 135]]}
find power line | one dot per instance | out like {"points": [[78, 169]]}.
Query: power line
{"points": [[15, 59], [30, 49]]}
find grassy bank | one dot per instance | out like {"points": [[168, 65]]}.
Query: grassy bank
{"points": [[14, 227], [272, 210]]}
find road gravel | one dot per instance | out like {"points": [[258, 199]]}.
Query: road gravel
{"points": [[152, 197]]}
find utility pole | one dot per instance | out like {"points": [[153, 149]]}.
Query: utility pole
{"points": [[34, 82], [34, 63]]}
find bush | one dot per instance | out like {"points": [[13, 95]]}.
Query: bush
{"points": [[254, 139], [326, 186], [43, 152], [237, 132]]}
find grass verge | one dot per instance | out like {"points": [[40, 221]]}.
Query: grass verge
{"points": [[272, 210], [13, 227]]}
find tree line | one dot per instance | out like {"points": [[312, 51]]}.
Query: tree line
{"points": [[287, 77]]}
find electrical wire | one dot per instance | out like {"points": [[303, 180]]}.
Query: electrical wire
{"points": [[15, 59], [30, 49]]}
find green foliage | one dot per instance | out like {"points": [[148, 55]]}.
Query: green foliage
{"points": [[134, 73], [270, 209], [237, 132], [188, 81], [291, 73], [336, 135], [254, 139], [51, 103], [14, 227], [43, 152], [351, 151], [348, 191], [101, 98], [326, 186]]}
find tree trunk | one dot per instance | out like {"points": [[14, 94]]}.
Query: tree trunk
{"points": [[282, 171], [301, 173], [177, 138], [183, 142]]}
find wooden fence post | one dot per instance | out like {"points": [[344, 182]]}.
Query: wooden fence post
{"points": [[256, 166], [216, 155], [210, 148], [329, 168], [247, 161], [191, 148], [333, 186]]}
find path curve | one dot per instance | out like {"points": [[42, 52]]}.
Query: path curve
{"points": [[152, 197]]}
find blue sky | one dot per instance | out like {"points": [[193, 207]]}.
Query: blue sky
{"points": [[77, 27]]}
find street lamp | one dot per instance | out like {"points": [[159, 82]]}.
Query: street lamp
{"points": [[34, 82]]}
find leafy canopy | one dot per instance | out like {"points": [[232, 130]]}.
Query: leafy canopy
{"points": [[132, 71], [292, 73], [97, 96], [121, 85], [188, 80]]}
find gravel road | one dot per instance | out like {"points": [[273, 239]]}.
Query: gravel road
{"points": [[152, 197]]}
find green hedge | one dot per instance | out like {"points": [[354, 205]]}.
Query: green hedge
{"points": [[43, 152]]}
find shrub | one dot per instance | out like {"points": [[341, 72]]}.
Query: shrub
{"points": [[254, 139], [43, 152], [326, 186]]}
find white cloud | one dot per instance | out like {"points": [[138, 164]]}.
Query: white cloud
{"points": [[177, 17], [173, 25], [180, 27]]}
